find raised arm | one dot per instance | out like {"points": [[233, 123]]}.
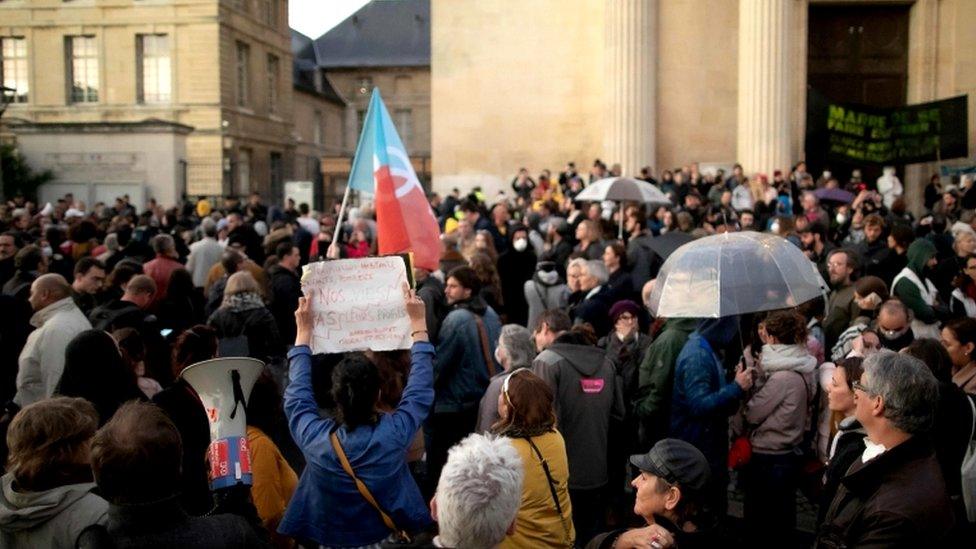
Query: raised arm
{"points": [[304, 422], [418, 395]]}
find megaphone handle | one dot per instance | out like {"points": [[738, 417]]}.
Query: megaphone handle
{"points": [[235, 378]]}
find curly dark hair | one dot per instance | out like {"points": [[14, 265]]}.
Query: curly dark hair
{"points": [[787, 326], [355, 388]]}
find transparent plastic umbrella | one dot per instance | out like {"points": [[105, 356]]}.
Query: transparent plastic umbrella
{"points": [[733, 274]]}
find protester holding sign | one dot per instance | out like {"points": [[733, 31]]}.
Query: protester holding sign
{"points": [[359, 446]]}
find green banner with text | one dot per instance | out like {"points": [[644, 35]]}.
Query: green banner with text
{"points": [[858, 134]]}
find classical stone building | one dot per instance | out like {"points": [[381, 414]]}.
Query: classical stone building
{"points": [[212, 76], [668, 82], [318, 117], [386, 45]]}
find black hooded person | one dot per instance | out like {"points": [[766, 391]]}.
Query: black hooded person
{"points": [[515, 267]]}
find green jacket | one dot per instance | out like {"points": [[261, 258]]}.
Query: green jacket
{"points": [[919, 253], [656, 376]]}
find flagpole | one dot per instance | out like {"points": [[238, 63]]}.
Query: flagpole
{"points": [[333, 252]]}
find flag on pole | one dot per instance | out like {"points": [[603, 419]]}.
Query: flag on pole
{"points": [[404, 220]]}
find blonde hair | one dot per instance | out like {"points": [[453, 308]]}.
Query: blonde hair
{"points": [[239, 283]]}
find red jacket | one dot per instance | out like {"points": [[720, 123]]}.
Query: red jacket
{"points": [[160, 269]]}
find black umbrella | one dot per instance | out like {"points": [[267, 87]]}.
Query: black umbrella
{"points": [[667, 243]]}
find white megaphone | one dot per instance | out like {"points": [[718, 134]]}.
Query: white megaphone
{"points": [[223, 385]]}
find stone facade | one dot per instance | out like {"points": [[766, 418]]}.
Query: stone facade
{"points": [[536, 93], [406, 93], [202, 43]]}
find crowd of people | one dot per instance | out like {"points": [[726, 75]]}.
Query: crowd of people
{"points": [[542, 404]]}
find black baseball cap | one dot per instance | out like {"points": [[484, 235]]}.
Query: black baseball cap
{"points": [[675, 461]]}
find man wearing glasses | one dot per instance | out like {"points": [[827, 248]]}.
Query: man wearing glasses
{"points": [[894, 495]]}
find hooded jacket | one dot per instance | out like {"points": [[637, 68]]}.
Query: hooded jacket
{"points": [[702, 400], [778, 410], [460, 373], [655, 377], [542, 295], [587, 393], [51, 518], [908, 285]]}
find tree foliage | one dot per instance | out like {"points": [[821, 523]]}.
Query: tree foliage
{"points": [[18, 176]]}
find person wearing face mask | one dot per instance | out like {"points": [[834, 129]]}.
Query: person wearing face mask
{"points": [[916, 291], [515, 268], [894, 325], [544, 291], [869, 293]]}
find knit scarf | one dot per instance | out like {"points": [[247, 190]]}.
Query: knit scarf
{"points": [[244, 301]]}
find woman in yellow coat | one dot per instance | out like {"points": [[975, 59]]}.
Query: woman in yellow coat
{"points": [[545, 517], [274, 480]]}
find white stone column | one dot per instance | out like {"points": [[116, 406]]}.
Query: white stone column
{"points": [[764, 117], [630, 52]]}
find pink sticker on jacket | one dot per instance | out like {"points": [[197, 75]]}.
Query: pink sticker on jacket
{"points": [[591, 385]]}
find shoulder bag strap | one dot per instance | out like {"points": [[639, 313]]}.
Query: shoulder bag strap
{"points": [[972, 406], [483, 335], [367, 495], [543, 299], [552, 487]]}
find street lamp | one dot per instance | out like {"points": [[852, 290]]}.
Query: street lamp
{"points": [[6, 97]]}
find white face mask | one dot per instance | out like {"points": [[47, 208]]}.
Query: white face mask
{"points": [[548, 277], [841, 219], [774, 227], [499, 354], [520, 244]]}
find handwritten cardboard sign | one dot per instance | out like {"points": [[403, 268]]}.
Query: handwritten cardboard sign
{"points": [[357, 304]]}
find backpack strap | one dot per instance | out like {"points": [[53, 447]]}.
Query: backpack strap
{"points": [[363, 490], [483, 336]]}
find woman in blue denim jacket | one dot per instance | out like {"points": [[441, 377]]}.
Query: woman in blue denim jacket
{"points": [[327, 508]]}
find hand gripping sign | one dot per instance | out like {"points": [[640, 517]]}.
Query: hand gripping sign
{"points": [[223, 385], [357, 304]]}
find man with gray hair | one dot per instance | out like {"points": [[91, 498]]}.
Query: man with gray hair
{"points": [[894, 495], [597, 297], [515, 350], [161, 268], [204, 254], [479, 493], [57, 321]]}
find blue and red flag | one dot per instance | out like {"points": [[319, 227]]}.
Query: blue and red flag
{"points": [[404, 220]]}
